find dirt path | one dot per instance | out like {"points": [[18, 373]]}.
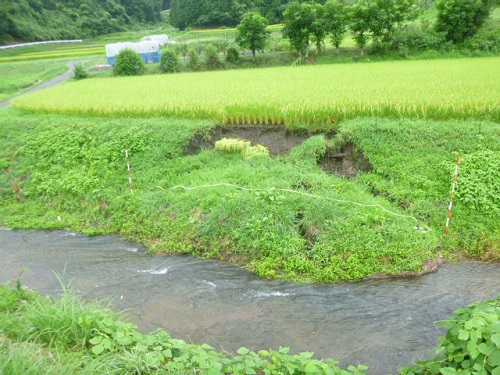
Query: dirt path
{"points": [[46, 85]]}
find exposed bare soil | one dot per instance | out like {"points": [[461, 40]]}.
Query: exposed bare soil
{"points": [[346, 161], [278, 140]]}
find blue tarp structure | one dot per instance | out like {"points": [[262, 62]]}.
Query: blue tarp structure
{"points": [[149, 51]]}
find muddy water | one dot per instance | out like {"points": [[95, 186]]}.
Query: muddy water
{"points": [[384, 324]]}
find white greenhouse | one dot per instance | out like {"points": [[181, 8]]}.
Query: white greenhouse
{"points": [[149, 51], [162, 39]]}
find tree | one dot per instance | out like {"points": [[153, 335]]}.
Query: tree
{"points": [[193, 59], [212, 60], [377, 19], [5, 20], [461, 19], [318, 26], [360, 24], [336, 20], [169, 62], [128, 63], [252, 33], [298, 26]]}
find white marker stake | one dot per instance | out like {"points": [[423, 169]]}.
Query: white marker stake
{"points": [[452, 195], [129, 170]]}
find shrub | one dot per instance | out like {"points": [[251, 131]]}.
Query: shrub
{"points": [[471, 346], [80, 72], [232, 55], [212, 60], [193, 59], [169, 62], [221, 45], [486, 40], [181, 49], [414, 37], [128, 63], [461, 19]]}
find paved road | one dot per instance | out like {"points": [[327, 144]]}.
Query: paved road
{"points": [[46, 85]]}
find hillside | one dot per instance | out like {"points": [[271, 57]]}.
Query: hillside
{"points": [[32, 20]]}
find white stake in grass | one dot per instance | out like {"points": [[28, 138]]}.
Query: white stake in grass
{"points": [[129, 170], [453, 185]]}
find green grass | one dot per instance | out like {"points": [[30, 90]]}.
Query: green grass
{"points": [[282, 217], [313, 95], [51, 51], [20, 76], [42, 335]]}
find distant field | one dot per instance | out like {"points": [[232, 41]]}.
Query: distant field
{"points": [[20, 76], [89, 50], [326, 94]]}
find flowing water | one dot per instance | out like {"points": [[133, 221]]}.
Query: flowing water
{"points": [[384, 324]]}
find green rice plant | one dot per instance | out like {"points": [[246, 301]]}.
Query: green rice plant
{"points": [[312, 97], [254, 151], [56, 55], [247, 150], [231, 144]]}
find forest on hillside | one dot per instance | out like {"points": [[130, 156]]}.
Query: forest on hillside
{"points": [[204, 13], [32, 20]]}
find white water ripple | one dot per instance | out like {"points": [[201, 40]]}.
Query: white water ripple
{"points": [[271, 294], [157, 271], [209, 283]]}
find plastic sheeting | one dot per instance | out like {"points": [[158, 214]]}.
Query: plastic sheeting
{"points": [[149, 51], [162, 39]]}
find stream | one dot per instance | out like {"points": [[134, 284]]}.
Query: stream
{"points": [[384, 324]]}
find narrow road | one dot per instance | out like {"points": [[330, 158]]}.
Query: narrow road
{"points": [[46, 85]]}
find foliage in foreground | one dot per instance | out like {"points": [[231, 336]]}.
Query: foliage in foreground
{"points": [[89, 338], [412, 89], [471, 345], [66, 335]]}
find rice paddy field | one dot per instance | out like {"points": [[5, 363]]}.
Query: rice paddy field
{"points": [[312, 96]]}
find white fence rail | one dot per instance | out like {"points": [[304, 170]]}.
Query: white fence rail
{"points": [[36, 43]]}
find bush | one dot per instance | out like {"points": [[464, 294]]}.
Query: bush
{"points": [[471, 346], [461, 19], [212, 60], [414, 37], [486, 40], [128, 63], [181, 49], [193, 59], [232, 55], [169, 62], [80, 72]]}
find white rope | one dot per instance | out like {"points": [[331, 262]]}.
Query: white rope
{"points": [[293, 192]]}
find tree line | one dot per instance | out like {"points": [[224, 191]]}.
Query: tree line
{"points": [[32, 20], [209, 13], [387, 24]]}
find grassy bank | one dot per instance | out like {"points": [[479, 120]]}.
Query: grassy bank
{"points": [[294, 96], [283, 216]]}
